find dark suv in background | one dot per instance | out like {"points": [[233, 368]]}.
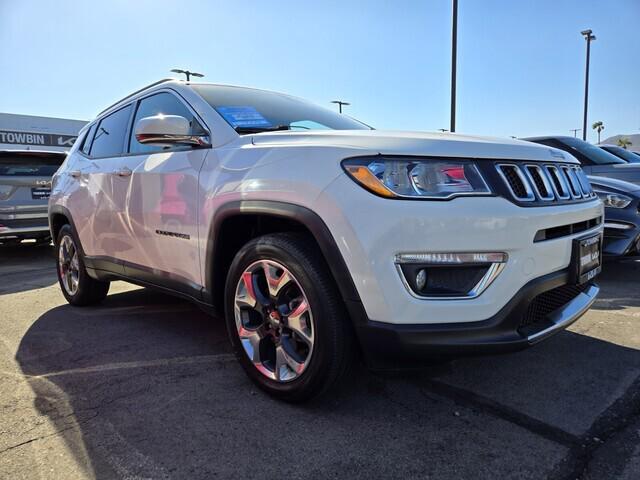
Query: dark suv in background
{"points": [[594, 160], [25, 186]]}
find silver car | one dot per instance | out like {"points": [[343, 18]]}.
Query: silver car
{"points": [[25, 186]]}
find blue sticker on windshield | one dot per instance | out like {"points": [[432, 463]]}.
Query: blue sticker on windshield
{"points": [[243, 117]]}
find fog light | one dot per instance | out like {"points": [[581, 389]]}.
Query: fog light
{"points": [[449, 274]]}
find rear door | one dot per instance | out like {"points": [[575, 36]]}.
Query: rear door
{"points": [[25, 186], [98, 202]]}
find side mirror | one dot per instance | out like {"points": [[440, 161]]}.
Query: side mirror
{"points": [[167, 130]]}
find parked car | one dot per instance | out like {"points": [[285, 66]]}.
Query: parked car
{"points": [[626, 155], [594, 160], [622, 216], [314, 234], [25, 185]]}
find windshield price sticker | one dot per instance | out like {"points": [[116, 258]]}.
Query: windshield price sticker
{"points": [[243, 117]]}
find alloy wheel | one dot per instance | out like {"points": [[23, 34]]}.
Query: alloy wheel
{"points": [[274, 320], [68, 265]]}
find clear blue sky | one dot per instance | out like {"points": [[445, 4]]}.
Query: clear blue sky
{"points": [[520, 63]]}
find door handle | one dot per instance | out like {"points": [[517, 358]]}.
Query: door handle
{"points": [[123, 172], [75, 173]]}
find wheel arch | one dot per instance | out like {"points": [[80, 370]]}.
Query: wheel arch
{"points": [[235, 223]]}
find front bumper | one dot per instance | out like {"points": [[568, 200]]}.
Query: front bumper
{"points": [[621, 232], [389, 346], [371, 231]]}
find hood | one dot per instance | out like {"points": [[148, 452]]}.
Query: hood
{"points": [[417, 143], [613, 184]]}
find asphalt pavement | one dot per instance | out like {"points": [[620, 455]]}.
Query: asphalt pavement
{"points": [[145, 386]]}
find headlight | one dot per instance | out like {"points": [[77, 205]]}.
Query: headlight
{"points": [[403, 177], [614, 200]]}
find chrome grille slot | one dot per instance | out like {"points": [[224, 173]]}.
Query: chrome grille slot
{"points": [[517, 182], [576, 191], [540, 182], [543, 183], [560, 187], [587, 191]]}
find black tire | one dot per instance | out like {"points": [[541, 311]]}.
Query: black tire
{"points": [[333, 347], [89, 290]]}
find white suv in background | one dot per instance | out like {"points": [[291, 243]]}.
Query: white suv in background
{"points": [[317, 236]]}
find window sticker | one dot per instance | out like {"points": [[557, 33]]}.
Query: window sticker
{"points": [[243, 117]]}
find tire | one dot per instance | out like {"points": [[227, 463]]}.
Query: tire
{"points": [[77, 286], [313, 350]]}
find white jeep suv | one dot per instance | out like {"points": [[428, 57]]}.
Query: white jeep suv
{"points": [[318, 237]]}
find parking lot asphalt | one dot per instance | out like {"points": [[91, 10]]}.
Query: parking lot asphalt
{"points": [[145, 386]]}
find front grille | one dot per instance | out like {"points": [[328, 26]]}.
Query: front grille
{"points": [[547, 302], [546, 183]]}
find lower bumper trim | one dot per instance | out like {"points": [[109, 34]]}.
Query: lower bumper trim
{"points": [[387, 345]]}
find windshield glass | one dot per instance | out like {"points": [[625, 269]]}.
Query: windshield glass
{"points": [[624, 154], [29, 167], [250, 111], [593, 153]]}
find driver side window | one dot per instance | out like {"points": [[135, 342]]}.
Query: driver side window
{"points": [[166, 104]]}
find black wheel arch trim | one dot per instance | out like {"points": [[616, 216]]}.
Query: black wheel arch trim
{"points": [[306, 217]]}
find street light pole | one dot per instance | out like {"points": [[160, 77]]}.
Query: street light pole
{"points": [[340, 103], [188, 73], [588, 36], [454, 56], [575, 131]]}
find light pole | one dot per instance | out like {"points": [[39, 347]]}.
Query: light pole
{"points": [[188, 73], [575, 131], [454, 56], [340, 103], [588, 36]]}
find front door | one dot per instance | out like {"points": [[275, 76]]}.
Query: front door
{"points": [[162, 203]]}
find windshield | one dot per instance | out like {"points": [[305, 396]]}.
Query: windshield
{"points": [[593, 153], [251, 111], [624, 154], [29, 166]]}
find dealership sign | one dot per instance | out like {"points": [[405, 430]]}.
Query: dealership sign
{"points": [[37, 138]]}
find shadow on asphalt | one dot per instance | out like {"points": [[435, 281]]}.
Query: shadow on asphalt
{"points": [[620, 286], [26, 267], [145, 386]]}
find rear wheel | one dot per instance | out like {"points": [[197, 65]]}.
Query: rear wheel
{"points": [[286, 319], [76, 284]]}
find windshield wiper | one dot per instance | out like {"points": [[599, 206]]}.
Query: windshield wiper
{"points": [[275, 128]]}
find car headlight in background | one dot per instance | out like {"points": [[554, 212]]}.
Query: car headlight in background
{"points": [[405, 177], [614, 200]]}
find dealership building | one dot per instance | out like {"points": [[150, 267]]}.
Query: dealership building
{"points": [[19, 132]]}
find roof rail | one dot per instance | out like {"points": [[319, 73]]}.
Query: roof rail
{"points": [[135, 93]]}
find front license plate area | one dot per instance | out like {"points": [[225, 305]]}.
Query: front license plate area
{"points": [[587, 258], [40, 193]]}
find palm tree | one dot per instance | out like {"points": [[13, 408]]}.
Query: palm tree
{"points": [[624, 142], [598, 127]]}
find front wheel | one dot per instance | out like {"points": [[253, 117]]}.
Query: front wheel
{"points": [[285, 317], [76, 284]]}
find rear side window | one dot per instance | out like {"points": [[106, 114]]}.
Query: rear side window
{"points": [[29, 165], [166, 104], [86, 143], [110, 133]]}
